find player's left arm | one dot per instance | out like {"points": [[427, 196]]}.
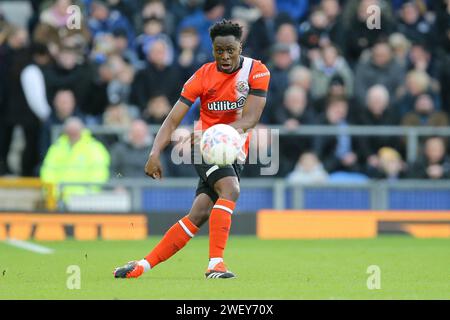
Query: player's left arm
{"points": [[251, 113], [258, 81]]}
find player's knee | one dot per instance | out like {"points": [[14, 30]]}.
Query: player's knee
{"points": [[230, 192], [199, 217]]}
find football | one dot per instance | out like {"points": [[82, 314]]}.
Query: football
{"points": [[220, 145]]}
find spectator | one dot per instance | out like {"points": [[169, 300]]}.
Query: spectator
{"points": [[332, 10], [328, 65], [190, 57], [293, 113], [296, 9], [72, 72], [25, 100], [129, 156], [52, 29], [377, 112], [63, 108], [118, 115], [158, 107], [413, 25], [158, 77], [300, 76], [314, 33], [280, 66], [380, 69], [122, 48], [212, 11], [153, 30], [119, 85], [76, 157], [425, 114], [443, 26], [338, 153], [416, 84], [287, 34], [264, 156], [56, 15], [262, 32], [444, 77], [157, 9], [308, 170], [434, 163], [358, 37], [245, 24], [104, 20], [295, 110], [420, 59], [390, 166], [400, 48], [178, 156], [336, 89]]}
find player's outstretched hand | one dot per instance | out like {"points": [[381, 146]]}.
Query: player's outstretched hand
{"points": [[153, 167]]}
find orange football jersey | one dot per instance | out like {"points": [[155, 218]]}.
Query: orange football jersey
{"points": [[222, 95]]}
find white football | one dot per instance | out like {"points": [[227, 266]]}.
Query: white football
{"points": [[220, 145]]}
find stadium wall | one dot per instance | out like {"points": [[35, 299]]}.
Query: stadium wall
{"points": [[266, 224]]}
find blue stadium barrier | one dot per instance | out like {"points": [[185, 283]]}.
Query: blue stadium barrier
{"points": [[419, 199], [253, 199], [333, 198], [180, 199]]}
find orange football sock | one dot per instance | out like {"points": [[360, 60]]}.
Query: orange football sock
{"points": [[174, 239], [219, 226]]}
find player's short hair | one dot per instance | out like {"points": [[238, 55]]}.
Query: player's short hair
{"points": [[225, 28]]}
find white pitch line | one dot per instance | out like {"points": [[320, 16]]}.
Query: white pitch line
{"points": [[29, 246]]}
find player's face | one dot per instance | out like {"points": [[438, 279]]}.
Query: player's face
{"points": [[226, 51]]}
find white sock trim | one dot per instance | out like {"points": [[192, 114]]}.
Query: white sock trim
{"points": [[190, 234], [213, 262], [145, 264], [218, 206]]}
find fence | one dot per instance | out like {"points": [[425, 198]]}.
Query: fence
{"points": [[176, 195]]}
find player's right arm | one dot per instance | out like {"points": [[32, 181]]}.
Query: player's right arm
{"points": [[191, 90], [153, 166]]}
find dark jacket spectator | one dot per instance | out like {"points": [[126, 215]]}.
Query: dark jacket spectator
{"points": [[24, 102], [380, 69], [292, 114], [377, 112], [338, 152], [71, 72], [434, 163], [443, 26], [358, 36], [104, 20], [425, 114], [279, 66], [128, 157], [413, 25], [417, 83], [262, 32], [157, 78], [202, 20]]}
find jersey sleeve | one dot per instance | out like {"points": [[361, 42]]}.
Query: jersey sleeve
{"points": [[259, 79], [192, 88]]}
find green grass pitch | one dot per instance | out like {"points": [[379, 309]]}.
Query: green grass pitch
{"points": [[266, 269]]}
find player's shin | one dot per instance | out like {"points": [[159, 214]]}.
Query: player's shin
{"points": [[174, 239], [219, 229]]}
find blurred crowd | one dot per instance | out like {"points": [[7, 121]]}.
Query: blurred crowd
{"points": [[127, 62]]}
